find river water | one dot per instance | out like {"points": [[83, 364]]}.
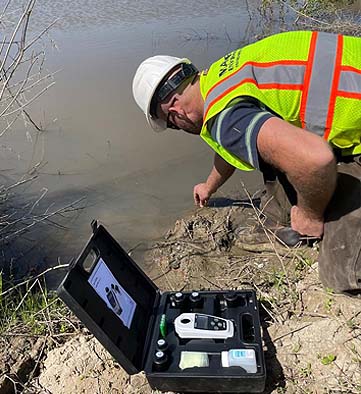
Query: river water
{"points": [[96, 145]]}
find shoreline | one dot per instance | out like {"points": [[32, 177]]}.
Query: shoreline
{"points": [[311, 336]]}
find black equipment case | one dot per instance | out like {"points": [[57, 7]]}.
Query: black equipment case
{"points": [[128, 314]]}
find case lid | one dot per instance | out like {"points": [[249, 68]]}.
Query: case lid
{"points": [[113, 297]]}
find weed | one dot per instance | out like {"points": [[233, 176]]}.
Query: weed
{"points": [[351, 324], [327, 360], [356, 356], [297, 347], [306, 371], [329, 301], [303, 263], [279, 280]]}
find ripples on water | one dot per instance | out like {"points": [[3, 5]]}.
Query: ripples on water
{"points": [[82, 14]]}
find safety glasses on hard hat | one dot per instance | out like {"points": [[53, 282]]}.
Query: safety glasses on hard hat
{"points": [[171, 84]]}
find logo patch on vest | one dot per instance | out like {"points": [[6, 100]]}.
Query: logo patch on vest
{"points": [[230, 62]]}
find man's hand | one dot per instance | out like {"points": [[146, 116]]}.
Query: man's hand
{"points": [[220, 172], [304, 224], [201, 194]]}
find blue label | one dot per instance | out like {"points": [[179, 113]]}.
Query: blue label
{"points": [[239, 353]]}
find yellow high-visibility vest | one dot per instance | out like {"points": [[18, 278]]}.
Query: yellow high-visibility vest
{"points": [[310, 79]]}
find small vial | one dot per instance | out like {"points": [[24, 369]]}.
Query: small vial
{"points": [[195, 299], [160, 360], [162, 345], [178, 300]]}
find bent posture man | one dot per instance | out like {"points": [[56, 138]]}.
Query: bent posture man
{"points": [[290, 106]]}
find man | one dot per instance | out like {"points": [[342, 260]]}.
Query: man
{"points": [[290, 106]]}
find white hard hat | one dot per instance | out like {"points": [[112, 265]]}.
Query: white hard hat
{"points": [[146, 80]]}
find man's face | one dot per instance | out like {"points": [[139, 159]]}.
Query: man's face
{"points": [[181, 110]]}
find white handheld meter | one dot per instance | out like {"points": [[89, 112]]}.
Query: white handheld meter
{"points": [[197, 325]]}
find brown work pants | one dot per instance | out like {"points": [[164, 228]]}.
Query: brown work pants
{"points": [[340, 250]]}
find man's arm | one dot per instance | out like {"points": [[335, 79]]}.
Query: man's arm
{"points": [[220, 172], [310, 166]]}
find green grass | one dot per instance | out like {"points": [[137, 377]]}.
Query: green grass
{"points": [[33, 310]]}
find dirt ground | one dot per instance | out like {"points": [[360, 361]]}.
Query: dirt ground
{"points": [[311, 335]]}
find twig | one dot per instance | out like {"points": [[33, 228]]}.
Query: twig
{"points": [[44, 192], [355, 387], [265, 247], [303, 14], [34, 278], [291, 332], [9, 125], [46, 309], [266, 232], [4, 9], [161, 275], [55, 300], [210, 282], [36, 220], [271, 314], [41, 34], [21, 182], [31, 100], [24, 297], [25, 14], [166, 277]]}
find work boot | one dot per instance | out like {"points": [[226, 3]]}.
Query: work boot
{"points": [[290, 237], [283, 235]]}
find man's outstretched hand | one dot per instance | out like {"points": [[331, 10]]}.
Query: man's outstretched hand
{"points": [[220, 172], [201, 194]]}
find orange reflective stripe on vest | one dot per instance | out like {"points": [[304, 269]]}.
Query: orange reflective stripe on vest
{"points": [[284, 74], [321, 79]]}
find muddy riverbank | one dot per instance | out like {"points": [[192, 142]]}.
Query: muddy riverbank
{"points": [[311, 336]]}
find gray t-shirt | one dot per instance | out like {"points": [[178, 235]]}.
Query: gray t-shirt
{"points": [[236, 129]]}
